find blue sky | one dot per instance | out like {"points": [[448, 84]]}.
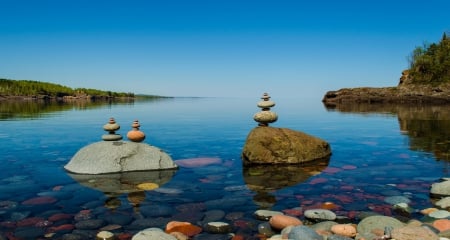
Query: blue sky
{"points": [[216, 48]]}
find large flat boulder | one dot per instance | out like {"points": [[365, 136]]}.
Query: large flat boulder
{"points": [[118, 156], [270, 145]]}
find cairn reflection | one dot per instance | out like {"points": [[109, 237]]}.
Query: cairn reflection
{"points": [[133, 184], [266, 179]]}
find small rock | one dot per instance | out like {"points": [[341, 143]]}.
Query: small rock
{"points": [[303, 233], [440, 189], [265, 215], [265, 229], [186, 228], [338, 237], [319, 215], [347, 230], [90, 224], [218, 227], [397, 199], [377, 223], [443, 203], [281, 221], [442, 224], [152, 233], [105, 235], [439, 214], [411, 232]]}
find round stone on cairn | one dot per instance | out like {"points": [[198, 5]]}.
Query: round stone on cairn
{"points": [[135, 135], [111, 127], [265, 116]]}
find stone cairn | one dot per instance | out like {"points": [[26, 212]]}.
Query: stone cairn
{"points": [[135, 135], [111, 127], [265, 116]]}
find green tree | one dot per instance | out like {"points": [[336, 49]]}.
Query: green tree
{"points": [[430, 63]]}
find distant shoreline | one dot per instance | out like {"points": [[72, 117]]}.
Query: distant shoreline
{"points": [[75, 98]]}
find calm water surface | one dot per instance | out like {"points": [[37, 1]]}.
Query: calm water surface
{"points": [[378, 152]]}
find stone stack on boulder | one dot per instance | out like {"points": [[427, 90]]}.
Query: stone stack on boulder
{"points": [[271, 145], [114, 156]]}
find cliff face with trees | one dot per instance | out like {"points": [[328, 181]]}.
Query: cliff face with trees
{"points": [[426, 81], [20, 89]]}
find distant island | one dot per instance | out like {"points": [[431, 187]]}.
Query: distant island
{"points": [[426, 81], [31, 90]]}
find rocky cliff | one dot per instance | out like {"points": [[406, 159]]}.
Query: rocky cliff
{"points": [[404, 92]]}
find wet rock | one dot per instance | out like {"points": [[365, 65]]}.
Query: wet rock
{"points": [[29, 232], [397, 199], [152, 233], [269, 145], [338, 237], [319, 215], [156, 210], [303, 233], [442, 224], [443, 203], [413, 232], [265, 229], [440, 189], [439, 214], [213, 215], [218, 227], [265, 215], [281, 221], [90, 224], [377, 223], [347, 230]]}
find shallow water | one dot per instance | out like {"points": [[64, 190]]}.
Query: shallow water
{"points": [[378, 152]]}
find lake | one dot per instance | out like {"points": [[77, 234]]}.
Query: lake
{"points": [[378, 152]]}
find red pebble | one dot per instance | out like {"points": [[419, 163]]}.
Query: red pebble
{"points": [[29, 221], [124, 236], [59, 216], [318, 180], [332, 170], [40, 200], [64, 227], [348, 167]]}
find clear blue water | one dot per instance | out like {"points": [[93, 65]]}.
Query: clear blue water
{"points": [[375, 154]]}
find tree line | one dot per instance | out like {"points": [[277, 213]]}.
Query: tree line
{"points": [[35, 88], [430, 63]]}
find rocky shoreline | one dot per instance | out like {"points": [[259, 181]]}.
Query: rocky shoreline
{"points": [[405, 93]]}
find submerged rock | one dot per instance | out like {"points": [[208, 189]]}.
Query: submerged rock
{"points": [[269, 145]]}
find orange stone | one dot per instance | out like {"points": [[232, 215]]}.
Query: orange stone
{"points": [[329, 205], [442, 224], [427, 211], [136, 136], [347, 230], [282, 221], [186, 228]]}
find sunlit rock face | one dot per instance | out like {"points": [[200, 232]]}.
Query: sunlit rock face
{"points": [[269, 145]]}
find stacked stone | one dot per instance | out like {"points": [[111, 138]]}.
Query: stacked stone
{"points": [[111, 127], [135, 135], [265, 116]]}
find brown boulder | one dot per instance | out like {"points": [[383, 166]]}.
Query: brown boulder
{"points": [[269, 145]]}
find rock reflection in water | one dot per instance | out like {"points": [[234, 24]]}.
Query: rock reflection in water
{"points": [[265, 179], [427, 126], [116, 184]]}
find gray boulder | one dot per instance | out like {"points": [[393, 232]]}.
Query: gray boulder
{"points": [[303, 233], [269, 145], [440, 189], [118, 156]]}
